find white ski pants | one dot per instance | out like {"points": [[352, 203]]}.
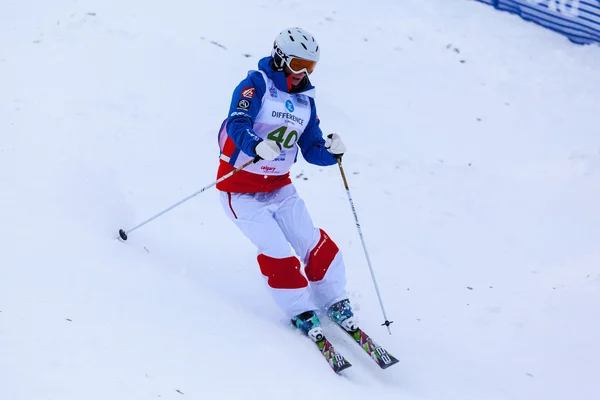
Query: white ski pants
{"points": [[276, 220]]}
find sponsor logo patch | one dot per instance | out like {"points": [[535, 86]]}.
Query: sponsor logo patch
{"points": [[267, 168], [248, 92], [238, 114], [243, 105], [289, 105], [273, 91], [301, 101]]}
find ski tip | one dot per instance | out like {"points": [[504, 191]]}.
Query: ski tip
{"points": [[392, 361], [342, 367]]}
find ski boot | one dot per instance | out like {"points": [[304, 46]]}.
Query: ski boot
{"points": [[341, 313], [308, 322]]}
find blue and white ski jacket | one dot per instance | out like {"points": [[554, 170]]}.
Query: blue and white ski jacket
{"points": [[262, 107]]}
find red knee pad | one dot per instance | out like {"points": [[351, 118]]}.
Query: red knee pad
{"points": [[321, 258], [282, 273]]}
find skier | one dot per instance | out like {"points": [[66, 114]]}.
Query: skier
{"points": [[273, 115]]}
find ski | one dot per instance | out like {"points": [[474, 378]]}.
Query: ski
{"points": [[308, 323], [380, 355], [336, 361]]}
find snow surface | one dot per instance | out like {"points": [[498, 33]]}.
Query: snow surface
{"points": [[474, 163]]}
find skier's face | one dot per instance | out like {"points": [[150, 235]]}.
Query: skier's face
{"points": [[297, 78]]}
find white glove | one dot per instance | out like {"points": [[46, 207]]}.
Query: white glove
{"points": [[268, 149], [334, 145]]}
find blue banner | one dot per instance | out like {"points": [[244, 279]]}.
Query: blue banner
{"points": [[579, 20]]}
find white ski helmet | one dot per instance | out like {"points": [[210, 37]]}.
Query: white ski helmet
{"points": [[297, 49]]}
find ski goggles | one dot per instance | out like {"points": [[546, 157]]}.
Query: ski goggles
{"points": [[299, 65]]}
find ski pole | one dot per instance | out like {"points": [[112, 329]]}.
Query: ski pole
{"points": [[362, 239], [123, 233]]}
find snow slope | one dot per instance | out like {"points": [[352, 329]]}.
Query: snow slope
{"points": [[474, 163]]}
